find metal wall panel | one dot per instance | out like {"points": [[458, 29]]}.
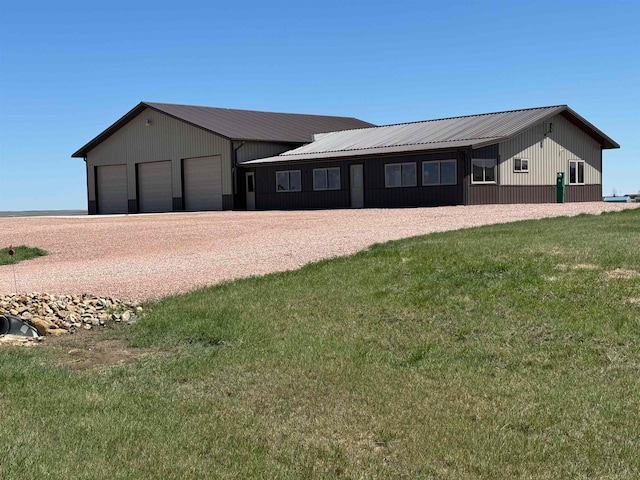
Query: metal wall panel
{"points": [[164, 138], [202, 178], [550, 154], [111, 185], [583, 193], [483, 194], [154, 187], [252, 150], [527, 194], [375, 193]]}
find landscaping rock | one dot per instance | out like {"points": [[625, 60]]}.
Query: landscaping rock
{"points": [[62, 314]]}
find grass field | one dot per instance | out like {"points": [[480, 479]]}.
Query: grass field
{"points": [[509, 351], [20, 253]]}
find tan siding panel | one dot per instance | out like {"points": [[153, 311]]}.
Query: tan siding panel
{"points": [[550, 154], [164, 138]]}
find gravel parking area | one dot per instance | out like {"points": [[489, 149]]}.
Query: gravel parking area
{"points": [[142, 257]]}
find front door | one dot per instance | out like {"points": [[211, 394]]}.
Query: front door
{"points": [[251, 191], [357, 186]]}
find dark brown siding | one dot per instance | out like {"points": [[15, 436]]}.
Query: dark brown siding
{"points": [[483, 194], [490, 151], [375, 193], [487, 194], [133, 205], [93, 207], [527, 194], [267, 198], [227, 202], [583, 193]]}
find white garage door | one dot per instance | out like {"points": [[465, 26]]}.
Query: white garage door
{"points": [[111, 183], [202, 183], [154, 187]]}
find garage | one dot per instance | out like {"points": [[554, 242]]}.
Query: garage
{"points": [[111, 185], [202, 179], [154, 187]]}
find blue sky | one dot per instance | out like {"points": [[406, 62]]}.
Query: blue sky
{"points": [[68, 70]]}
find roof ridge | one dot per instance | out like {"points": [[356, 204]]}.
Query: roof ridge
{"points": [[449, 118], [155, 104]]}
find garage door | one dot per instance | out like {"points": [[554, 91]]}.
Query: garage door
{"points": [[111, 183], [154, 187], [202, 183]]}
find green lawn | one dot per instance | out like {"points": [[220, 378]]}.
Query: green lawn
{"points": [[20, 253], [509, 351]]}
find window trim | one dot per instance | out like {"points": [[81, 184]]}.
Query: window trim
{"points": [[440, 162], [521, 170], [495, 171], [577, 162], [288, 172], [401, 164], [326, 172]]}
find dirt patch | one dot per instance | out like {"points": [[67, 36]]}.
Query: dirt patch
{"points": [[86, 351], [621, 274]]}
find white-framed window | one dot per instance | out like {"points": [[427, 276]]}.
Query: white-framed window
{"points": [[521, 165], [576, 172], [288, 181], [439, 172], [400, 175], [326, 178], [483, 170]]}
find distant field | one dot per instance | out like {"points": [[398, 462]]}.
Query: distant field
{"points": [[505, 351], [43, 213]]}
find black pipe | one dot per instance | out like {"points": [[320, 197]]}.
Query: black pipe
{"points": [[4, 324]]}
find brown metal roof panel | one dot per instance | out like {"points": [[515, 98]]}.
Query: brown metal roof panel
{"points": [[502, 124], [261, 126]]}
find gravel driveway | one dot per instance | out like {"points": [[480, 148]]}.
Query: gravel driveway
{"points": [[149, 256]]}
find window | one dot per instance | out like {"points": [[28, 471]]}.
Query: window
{"points": [[576, 172], [484, 170], [441, 172], [521, 165], [288, 181], [400, 175], [326, 178]]}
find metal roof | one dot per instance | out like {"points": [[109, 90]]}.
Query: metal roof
{"points": [[471, 131], [239, 124]]}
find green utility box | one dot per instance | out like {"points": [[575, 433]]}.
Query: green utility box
{"points": [[560, 187]]}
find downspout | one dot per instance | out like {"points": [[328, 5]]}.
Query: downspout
{"points": [[86, 172], [466, 155], [234, 172]]}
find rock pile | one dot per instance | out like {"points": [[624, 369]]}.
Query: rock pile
{"points": [[63, 314]]}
